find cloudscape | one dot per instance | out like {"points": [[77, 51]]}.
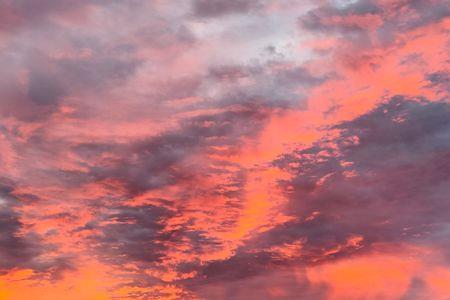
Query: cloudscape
{"points": [[225, 149]]}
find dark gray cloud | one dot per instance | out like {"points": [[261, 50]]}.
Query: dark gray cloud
{"points": [[417, 290], [141, 235], [218, 8], [21, 13], [439, 80], [175, 89], [21, 249], [384, 178], [15, 250], [273, 84], [33, 98], [167, 159], [272, 285], [134, 234], [426, 12], [47, 80], [165, 33], [43, 88], [318, 18], [95, 72], [175, 157], [355, 20]]}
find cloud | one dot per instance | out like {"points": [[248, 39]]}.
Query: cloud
{"points": [[22, 249], [417, 290], [439, 80], [15, 250], [381, 180], [275, 84], [169, 158], [278, 284], [16, 14], [359, 21], [223, 149], [49, 80], [134, 233], [218, 8]]}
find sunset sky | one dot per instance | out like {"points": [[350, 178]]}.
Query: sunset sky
{"points": [[225, 149]]}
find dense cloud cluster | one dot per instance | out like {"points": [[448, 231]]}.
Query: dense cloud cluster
{"points": [[383, 179], [20, 249]]}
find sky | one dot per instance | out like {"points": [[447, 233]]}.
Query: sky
{"points": [[225, 149]]}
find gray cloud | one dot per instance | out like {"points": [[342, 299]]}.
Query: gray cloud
{"points": [[383, 178], [397, 17], [276, 284], [22, 13], [135, 234], [15, 250], [439, 80], [274, 84], [165, 159], [218, 8], [19, 249]]}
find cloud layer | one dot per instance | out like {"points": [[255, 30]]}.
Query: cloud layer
{"points": [[224, 149]]}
